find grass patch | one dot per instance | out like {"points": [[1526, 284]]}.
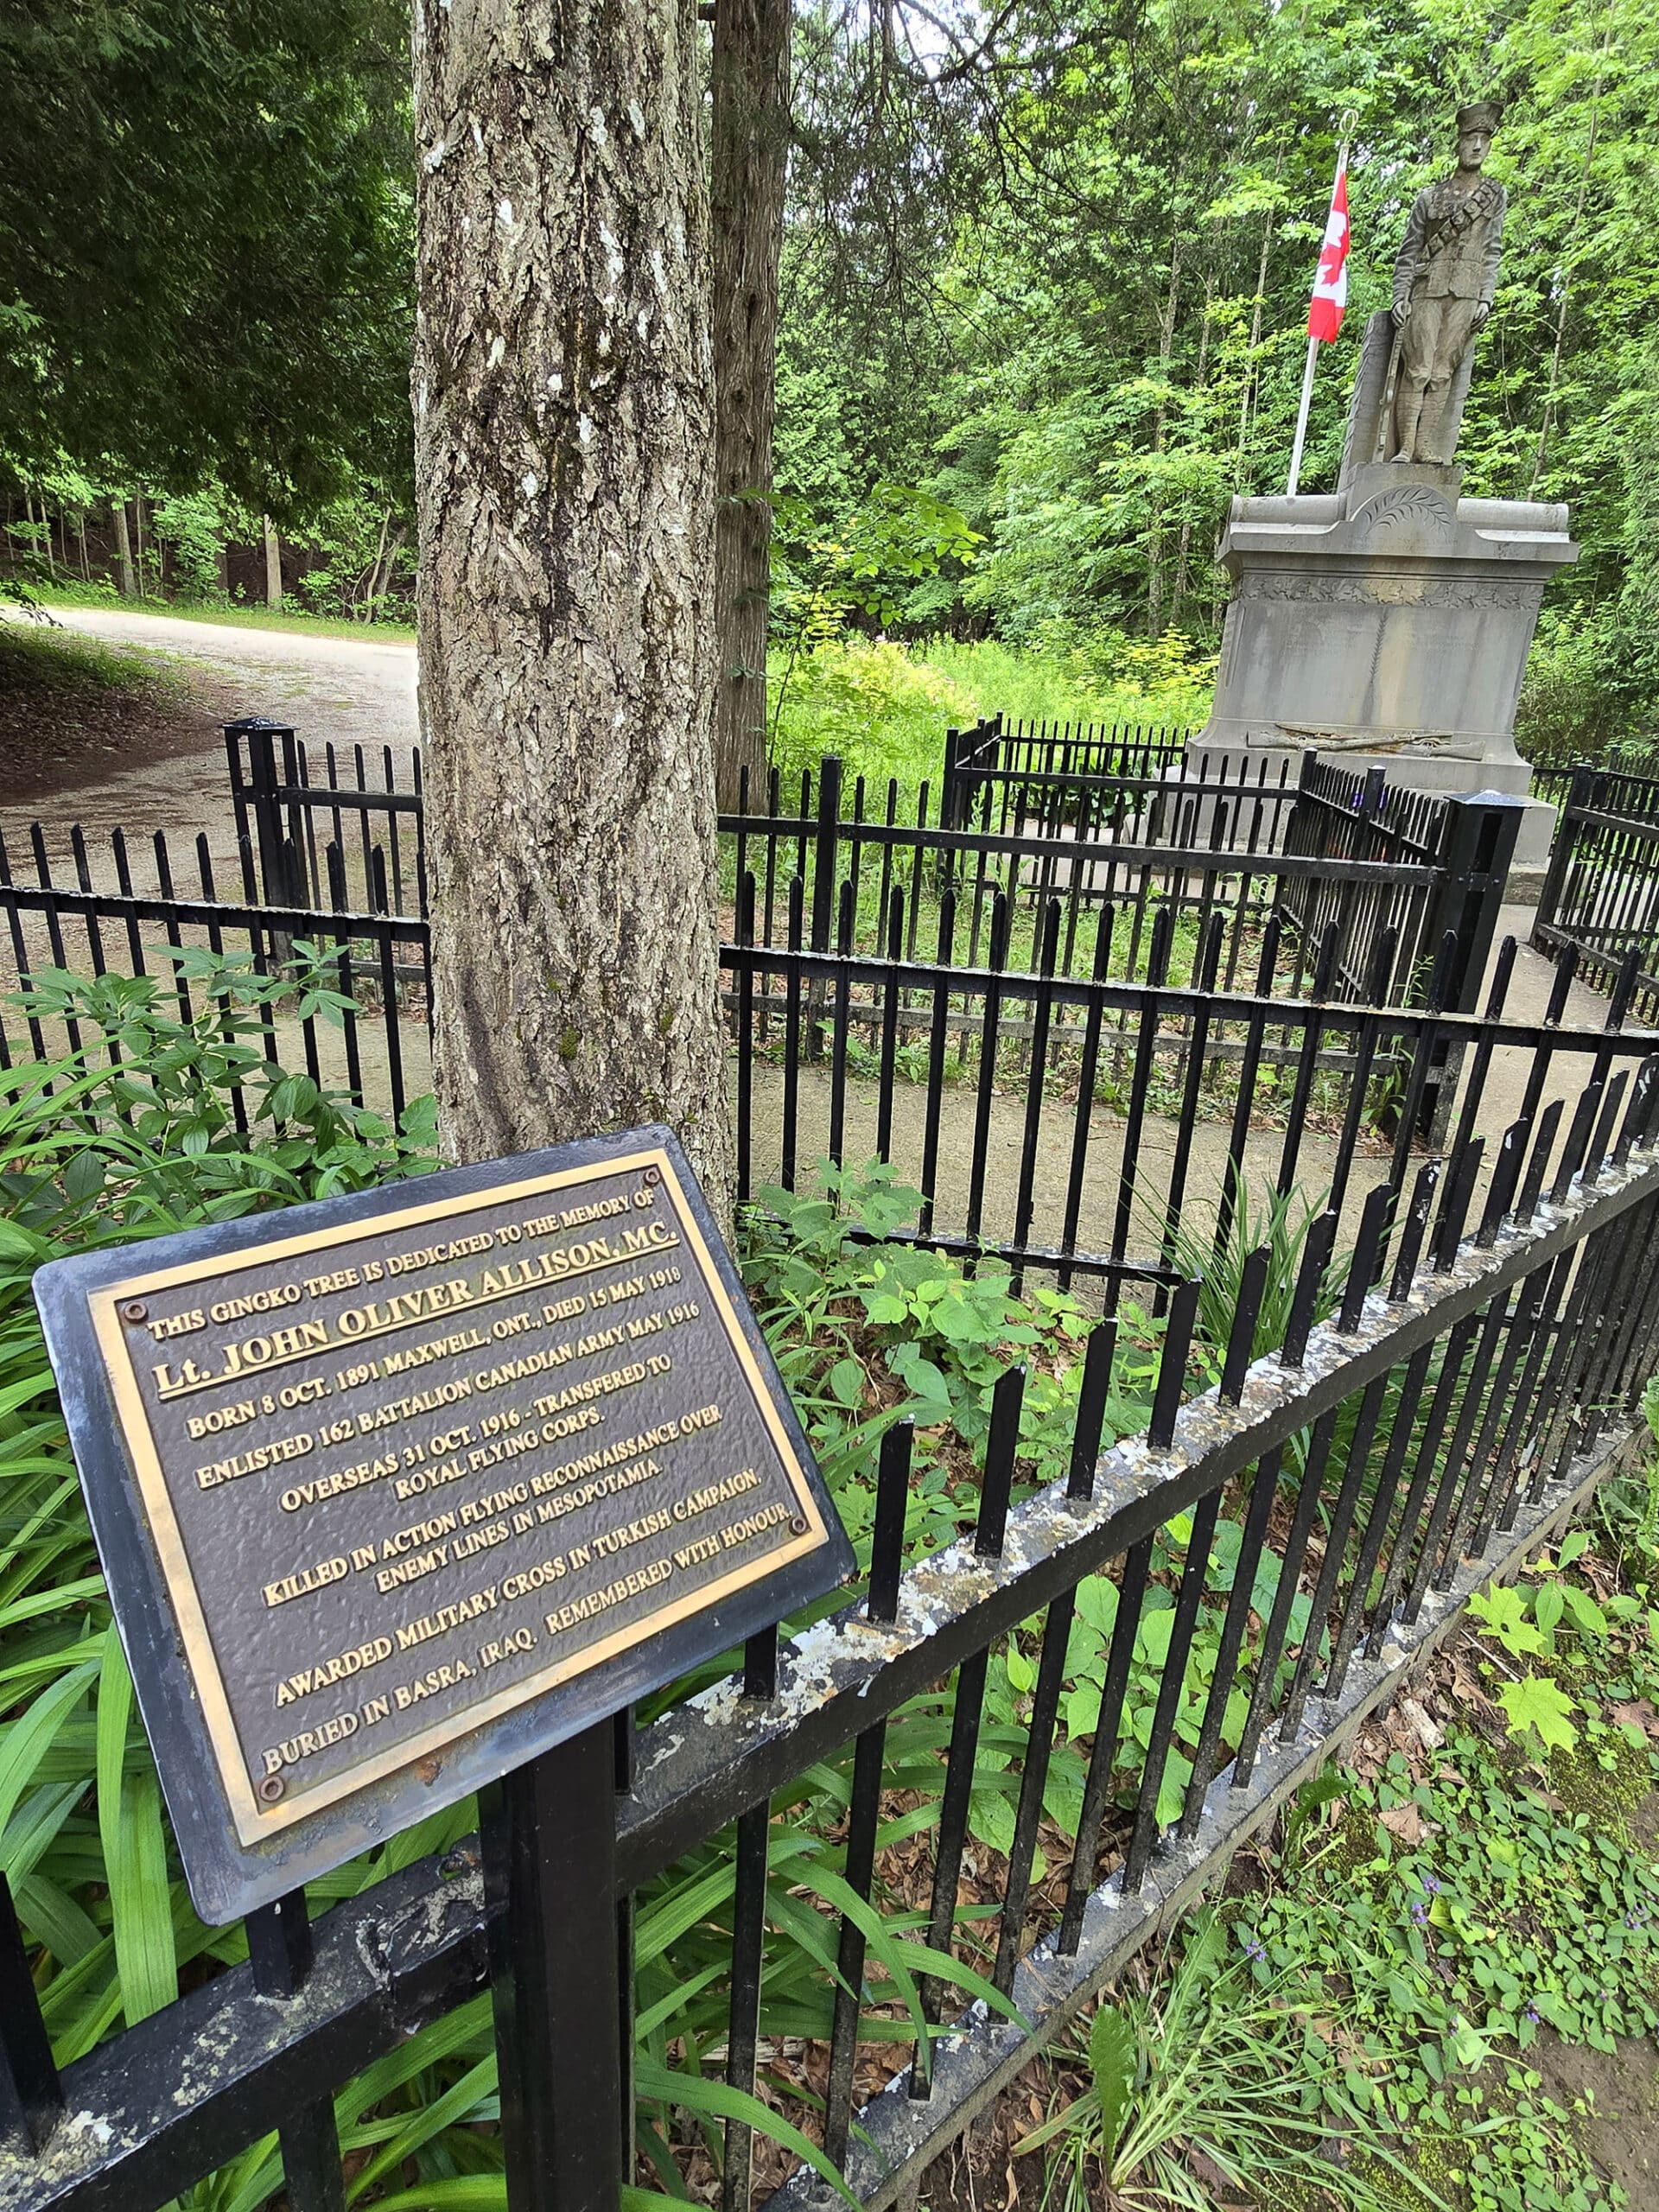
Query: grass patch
{"points": [[37, 657], [1074, 686], [1439, 1926], [885, 707], [233, 614]]}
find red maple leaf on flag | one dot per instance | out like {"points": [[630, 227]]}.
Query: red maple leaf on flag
{"points": [[1324, 311]]}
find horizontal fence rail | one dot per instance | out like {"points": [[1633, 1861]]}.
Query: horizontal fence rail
{"points": [[1322, 1506], [370, 1043], [1600, 899]]}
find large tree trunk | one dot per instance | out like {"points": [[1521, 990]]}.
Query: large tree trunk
{"points": [[750, 152], [273, 563], [563, 467], [129, 584]]}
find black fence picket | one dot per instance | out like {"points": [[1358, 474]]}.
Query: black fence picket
{"points": [[370, 1046]]}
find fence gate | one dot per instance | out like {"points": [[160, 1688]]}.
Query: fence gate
{"points": [[1600, 900]]}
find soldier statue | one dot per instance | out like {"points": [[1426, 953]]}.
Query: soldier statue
{"points": [[1443, 286]]}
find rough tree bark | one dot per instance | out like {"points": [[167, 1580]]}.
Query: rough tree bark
{"points": [[128, 586], [563, 466], [750, 133], [273, 563]]}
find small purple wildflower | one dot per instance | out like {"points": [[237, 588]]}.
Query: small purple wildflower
{"points": [[1532, 2014]]}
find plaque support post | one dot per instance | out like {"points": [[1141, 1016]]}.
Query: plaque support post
{"points": [[548, 1836]]}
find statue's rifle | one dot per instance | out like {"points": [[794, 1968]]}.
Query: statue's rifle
{"points": [[1385, 412]]}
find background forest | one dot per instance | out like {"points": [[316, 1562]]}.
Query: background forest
{"points": [[1043, 287]]}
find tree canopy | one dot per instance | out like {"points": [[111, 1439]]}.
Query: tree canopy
{"points": [[206, 242], [1045, 262]]}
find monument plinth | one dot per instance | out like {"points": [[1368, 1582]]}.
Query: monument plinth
{"points": [[1390, 621]]}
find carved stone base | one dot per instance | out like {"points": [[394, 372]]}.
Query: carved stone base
{"points": [[1390, 621]]}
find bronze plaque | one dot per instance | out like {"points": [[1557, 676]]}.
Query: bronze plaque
{"points": [[409, 1470]]}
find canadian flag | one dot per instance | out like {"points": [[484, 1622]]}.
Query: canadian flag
{"points": [[1325, 309]]}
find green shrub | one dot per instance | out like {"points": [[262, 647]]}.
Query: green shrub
{"points": [[879, 706], [1577, 701], [885, 707]]}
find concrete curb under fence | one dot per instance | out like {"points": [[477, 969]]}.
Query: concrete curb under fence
{"points": [[902, 2136]]}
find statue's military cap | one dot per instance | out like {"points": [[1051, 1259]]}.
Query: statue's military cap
{"points": [[1480, 114]]}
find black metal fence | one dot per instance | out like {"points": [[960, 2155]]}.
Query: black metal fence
{"points": [[328, 823], [1090, 818], [1011, 749], [1600, 899], [128, 908], [1088, 815], [1478, 1372], [1323, 1478], [1374, 862], [1084, 1109]]}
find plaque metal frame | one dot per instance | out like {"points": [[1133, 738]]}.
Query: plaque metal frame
{"points": [[238, 1852]]}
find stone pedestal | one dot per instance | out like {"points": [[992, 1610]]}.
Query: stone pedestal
{"points": [[1387, 624]]}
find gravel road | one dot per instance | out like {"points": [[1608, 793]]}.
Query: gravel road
{"points": [[168, 771]]}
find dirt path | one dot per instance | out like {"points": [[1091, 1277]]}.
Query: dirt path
{"points": [[1502, 1096], [155, 758]]}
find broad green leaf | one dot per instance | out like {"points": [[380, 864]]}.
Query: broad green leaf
{"points": [[1502, 1612], [696, 2094], [1536, 1703], [1114, 2061], [27, 1741], [134, 1852], [1097, 1603], [1587, 1616], [1152, 1638], [1172, 1790]]}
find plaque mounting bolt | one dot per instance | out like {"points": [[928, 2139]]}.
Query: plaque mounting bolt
{"points": [[272, 1787], [798, 1524], [653, 1176], [134, 1311]]}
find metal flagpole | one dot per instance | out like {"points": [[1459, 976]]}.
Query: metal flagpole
{"points": [[1301, 419], [1300, 440]]}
